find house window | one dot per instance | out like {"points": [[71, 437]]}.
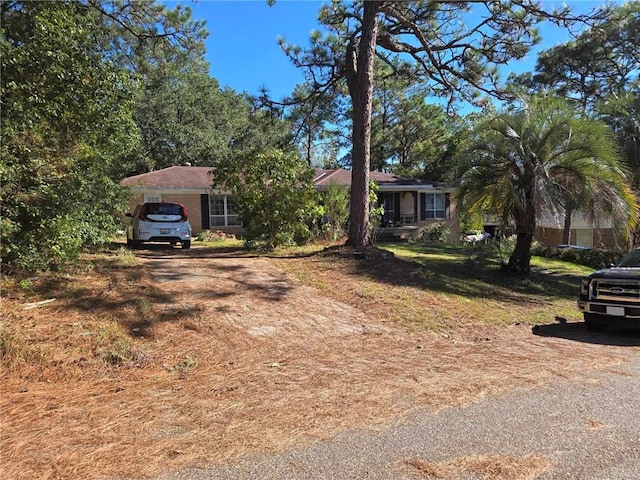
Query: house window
{"points": [[223, 211], [155, 198], [435, 206]]}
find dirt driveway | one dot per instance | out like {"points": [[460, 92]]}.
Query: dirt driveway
{"points": [[289, 367], [222, 361]]}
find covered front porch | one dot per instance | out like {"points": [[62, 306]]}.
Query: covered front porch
{"points": [[400, 208], [407, 212], [404, 208]]}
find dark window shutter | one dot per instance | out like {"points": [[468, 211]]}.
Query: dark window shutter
{"points": [[396, 206], [447, 205], [423, 201], [204, 208]]}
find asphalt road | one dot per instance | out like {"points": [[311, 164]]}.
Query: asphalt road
{"points": [[585, 430]]}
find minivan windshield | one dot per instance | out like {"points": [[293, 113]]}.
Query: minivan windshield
{"points": [[631, 259]]}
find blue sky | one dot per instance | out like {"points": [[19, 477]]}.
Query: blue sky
{"points": [[243, 51]]}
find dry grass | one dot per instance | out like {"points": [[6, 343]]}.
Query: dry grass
{"points": [[197, 357], [495, 467]]}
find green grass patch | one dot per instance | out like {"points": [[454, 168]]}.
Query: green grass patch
{"points": [[472, 279], [222, 243], [441, 287]]}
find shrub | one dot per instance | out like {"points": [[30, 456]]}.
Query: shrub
{"points": [[435, 234], [216, 236], [274, 192], [594, 258], [335, 203]]}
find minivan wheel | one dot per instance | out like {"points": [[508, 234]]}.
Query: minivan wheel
{"points": [[186, 244]]}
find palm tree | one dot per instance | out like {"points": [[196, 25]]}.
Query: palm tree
{"points": [[542, 158]]}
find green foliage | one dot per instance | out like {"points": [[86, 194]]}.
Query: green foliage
{"points": [[436, 234], [471, 220], [273, 190], [67, 130], [408, 135], [601, 61], [184, 117], [125, 258], [311, 117], [143, 35], [335, 205], [544, 158], [598, 71], [376, 212], [405, 35], [594, 258], [72, 78], [622, 113], [181, 113], [214, 236]]}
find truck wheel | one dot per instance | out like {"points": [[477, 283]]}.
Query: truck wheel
{"points": [[186, 244]]}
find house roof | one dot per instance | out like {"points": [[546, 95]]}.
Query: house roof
{"points": [[172, 177], [185, 177], [343, 177]]}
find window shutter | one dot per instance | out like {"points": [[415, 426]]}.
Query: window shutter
{"points": [[447, 206], [396, 206], [204, 208], [423, 201]]}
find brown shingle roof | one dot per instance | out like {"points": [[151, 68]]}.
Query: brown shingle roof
{"points": [[343, 177], [199, 178], [172, 177]]}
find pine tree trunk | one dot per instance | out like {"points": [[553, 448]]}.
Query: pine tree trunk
{"points": [[360, 58]]}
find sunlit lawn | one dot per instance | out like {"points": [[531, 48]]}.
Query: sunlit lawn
{"points": [[444, 286], [471, 274]]}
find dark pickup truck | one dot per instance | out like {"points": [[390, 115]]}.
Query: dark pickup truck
{"points": [[612, 296]]}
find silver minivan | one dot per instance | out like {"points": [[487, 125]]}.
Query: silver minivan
{"points": [[159, 222]]}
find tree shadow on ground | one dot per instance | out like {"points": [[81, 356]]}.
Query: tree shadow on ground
{"points": [[213, 251], [472, 277], [579, 332]]}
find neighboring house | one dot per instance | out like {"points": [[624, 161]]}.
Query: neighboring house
{"points": [[409, 205], [583, 232], [549, 230]]}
